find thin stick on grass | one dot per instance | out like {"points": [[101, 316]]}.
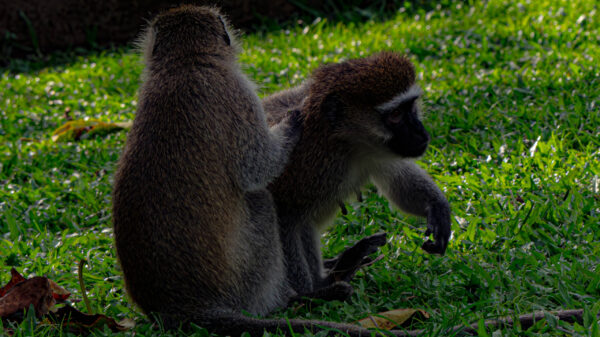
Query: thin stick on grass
{"points": [[88, 306]]}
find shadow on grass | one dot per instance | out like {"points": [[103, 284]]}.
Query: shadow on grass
{"points": [[344, 11], [336, 11]]}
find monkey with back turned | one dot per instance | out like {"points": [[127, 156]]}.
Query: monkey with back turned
{"points": [[195, 227], [361, 123]]}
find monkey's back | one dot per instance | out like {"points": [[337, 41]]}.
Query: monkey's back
{"points": [[177, 203], [316, 161]]}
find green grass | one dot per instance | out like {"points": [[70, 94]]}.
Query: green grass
{"points": [[513, 106]]}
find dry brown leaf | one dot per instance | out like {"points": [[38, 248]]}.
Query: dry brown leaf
{"points": [[390, 319], [20, 293], [75, 130], [34, 291], [127, 323], [14, 280], [59, 293]]}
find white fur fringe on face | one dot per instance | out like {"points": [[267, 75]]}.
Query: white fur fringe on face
{"points": [[413, 92]]}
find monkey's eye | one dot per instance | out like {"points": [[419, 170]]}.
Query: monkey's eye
{"points": [[395, 116]]}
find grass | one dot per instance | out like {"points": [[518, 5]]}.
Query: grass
{"points": [[513, 106]]}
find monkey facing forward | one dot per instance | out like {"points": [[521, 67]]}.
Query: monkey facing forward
{"points": [[195, 228], [361, 123]]}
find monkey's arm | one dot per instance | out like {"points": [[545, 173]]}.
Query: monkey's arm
{"points": [[411, 189], [268, 151], [280, 103]]}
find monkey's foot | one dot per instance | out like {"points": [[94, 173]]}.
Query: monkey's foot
{"points": [[338, 291], [352, 259]]}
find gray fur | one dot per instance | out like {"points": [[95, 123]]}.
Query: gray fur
{"points": [[195, 227]]}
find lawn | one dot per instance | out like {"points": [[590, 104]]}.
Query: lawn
{"points": [[512, 101]]}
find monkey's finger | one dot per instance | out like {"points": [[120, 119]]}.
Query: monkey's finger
{"points": [[366, 260], [296, 116], [376, 240], [441, 235], [329, 263]]}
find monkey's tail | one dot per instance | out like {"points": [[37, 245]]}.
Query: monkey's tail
{"points": [[232, 324]]}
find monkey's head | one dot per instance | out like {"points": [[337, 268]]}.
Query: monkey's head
{"points": [[188, 30], [372, 101]]}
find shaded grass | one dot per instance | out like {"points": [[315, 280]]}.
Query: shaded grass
{"points": [[512, 102]]}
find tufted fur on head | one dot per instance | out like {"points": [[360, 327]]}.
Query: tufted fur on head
{"points": [[189, 30], [365, 82]]}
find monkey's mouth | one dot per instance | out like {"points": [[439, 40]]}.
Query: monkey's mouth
{"points": [[407, 149], [417, 151], [420, 149]]}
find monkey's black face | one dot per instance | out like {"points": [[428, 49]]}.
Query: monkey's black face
{"points": [[410, 139]]}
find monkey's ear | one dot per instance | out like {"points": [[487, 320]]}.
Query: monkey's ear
{"points": [[150, 44], [331, 107], [226, 34]]}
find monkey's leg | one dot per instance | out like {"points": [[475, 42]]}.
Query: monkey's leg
{"points": [[311, 243], [327, 286], [298, 269], [263, 273], [349, 261], [411, 189], [304, 265], [302, 250]]}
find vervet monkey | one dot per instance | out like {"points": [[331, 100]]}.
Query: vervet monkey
{"points": [[195, 227], [361, 123]]}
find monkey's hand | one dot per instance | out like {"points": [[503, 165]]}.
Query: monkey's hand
{"points": [[294, 121], [287, 134], [438, 224]]}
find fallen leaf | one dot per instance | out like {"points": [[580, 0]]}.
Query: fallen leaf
{"points": [[59, 293], [79, 129], [389, 319], [127, 323], [15, 278], [75, 320], [34, 291], [41, 294]]}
